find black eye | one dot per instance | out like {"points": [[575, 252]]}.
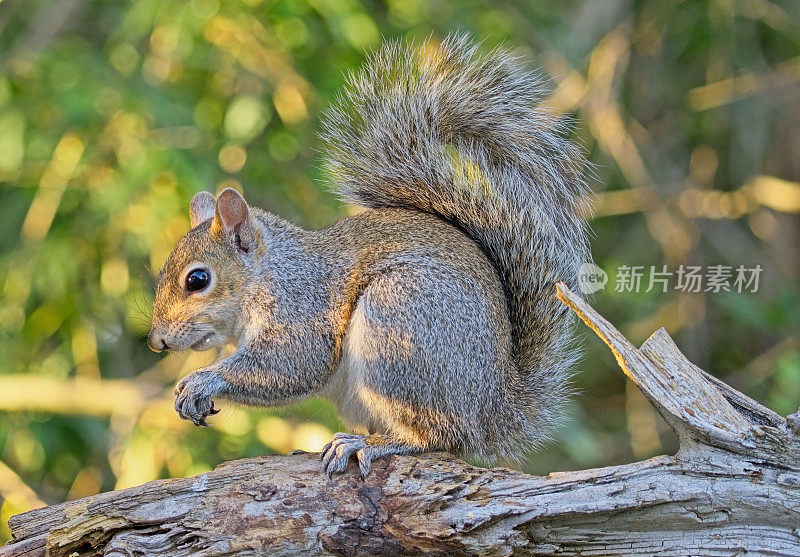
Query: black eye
{"points": [[197, 280]]}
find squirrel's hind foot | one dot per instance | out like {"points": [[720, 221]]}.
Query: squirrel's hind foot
{"points": [[336, 454]]}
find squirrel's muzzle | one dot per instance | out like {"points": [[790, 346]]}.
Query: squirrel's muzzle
{"points": [[156, 342]]}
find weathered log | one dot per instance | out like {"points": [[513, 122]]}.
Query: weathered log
{"points": [[733, 487]]}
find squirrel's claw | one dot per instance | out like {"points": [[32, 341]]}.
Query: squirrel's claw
{"points": [[193, 400], [364, 457], [336, 454]]}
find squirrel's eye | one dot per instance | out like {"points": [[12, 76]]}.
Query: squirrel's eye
{"points": [[197, 280]]}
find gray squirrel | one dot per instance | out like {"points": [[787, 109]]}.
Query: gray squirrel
{"points": [[429, 319]]}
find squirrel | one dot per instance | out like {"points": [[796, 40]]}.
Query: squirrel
{"points": [[430, 318]]}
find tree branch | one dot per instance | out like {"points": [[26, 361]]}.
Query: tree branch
{"points": [[733, 487]]}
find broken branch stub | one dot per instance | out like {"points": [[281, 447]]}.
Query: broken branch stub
{"points": [[700, 408]]}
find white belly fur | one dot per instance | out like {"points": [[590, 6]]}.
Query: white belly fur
{"points": [[347, 382]]}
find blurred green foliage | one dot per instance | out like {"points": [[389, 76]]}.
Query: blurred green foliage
{"points": [[113, 114]]}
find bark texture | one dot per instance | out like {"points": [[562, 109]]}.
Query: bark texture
{"points": [[733, 488]]}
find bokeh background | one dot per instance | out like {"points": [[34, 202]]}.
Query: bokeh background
{"points": [[113, 114]]}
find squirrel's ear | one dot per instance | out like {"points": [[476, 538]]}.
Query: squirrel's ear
{"points": [[202, 208], [232, 219]]}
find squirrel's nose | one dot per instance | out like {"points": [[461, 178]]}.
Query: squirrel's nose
{"points": [[155, 342]]}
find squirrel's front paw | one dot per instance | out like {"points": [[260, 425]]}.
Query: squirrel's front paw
{"points": [[193, 396]]}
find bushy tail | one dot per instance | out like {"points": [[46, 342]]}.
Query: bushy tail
{"points": [[446, 130]]}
